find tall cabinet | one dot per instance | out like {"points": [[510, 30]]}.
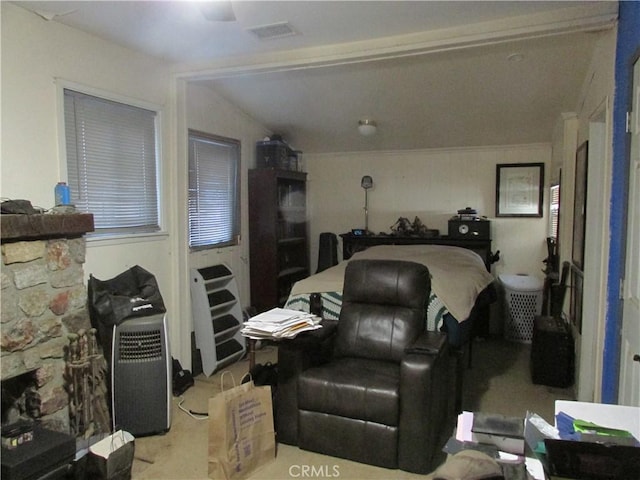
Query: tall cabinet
{"points": [[277, 234]]}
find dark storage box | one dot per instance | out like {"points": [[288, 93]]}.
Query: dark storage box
{"points": [[593, 461], [49, 455], [276, 154], [592, 456], [552, 354]]}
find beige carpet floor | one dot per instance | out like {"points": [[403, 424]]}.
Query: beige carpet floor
{"points": [[498, 382]]}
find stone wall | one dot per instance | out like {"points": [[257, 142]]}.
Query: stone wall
{"points": [[44, 298]]}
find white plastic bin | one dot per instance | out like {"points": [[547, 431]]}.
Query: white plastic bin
{"points": [[523, 301]]}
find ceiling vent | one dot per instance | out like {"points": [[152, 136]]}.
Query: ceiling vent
{"points": [[274, 30]]}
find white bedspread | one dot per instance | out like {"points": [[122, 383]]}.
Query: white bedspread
{"points": [[458, 275]]}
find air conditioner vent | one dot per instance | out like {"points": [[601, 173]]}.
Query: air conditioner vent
{"points": [[140, 346], [274, 30]]}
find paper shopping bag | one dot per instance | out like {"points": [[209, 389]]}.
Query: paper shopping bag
{"points": [[112, 457], [241, 432]]}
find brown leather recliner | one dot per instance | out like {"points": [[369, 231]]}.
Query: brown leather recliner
{"points": [[373, 386]]}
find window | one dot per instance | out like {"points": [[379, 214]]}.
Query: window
{"points": [[214, 190], [112, 163], [554, 207]]}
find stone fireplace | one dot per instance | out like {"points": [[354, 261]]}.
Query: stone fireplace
{"points": [[43, 299]]}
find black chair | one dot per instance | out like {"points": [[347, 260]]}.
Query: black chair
{"points": [[374, 386], [327, 251], [557, 292]]}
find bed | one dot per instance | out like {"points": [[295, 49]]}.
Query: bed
{"points": [[461, 286]]}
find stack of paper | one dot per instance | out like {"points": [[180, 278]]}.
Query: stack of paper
{"points": [[280, 323]]}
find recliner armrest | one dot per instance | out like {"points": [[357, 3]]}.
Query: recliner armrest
{"points": [[424, 390], [429, 343]]}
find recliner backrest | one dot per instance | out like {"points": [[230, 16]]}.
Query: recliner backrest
{"points": [[383, 308]]}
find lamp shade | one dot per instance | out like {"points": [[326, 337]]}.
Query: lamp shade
{"points": [[367, 127]]}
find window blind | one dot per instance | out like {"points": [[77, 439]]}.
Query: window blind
{"points": [[554, 207], [112, 163], [213, 190]]}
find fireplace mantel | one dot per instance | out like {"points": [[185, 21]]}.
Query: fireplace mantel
{"points": [[40, 226]]}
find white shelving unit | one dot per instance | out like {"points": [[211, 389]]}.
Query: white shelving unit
{"points": [[217, 316]]}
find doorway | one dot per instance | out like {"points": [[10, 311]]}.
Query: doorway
{"points": [[629, 392], [596, 249]]}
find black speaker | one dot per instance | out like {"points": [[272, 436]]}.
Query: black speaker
{"points": [[327, 251], [477, 229]]}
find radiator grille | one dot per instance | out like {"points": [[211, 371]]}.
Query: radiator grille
{"points": [[140, 346]]}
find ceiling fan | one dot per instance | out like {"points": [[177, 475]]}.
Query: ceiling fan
{"points": [[218, 11]]}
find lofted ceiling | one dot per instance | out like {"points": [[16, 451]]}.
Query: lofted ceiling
{"points": [[431, 74]]}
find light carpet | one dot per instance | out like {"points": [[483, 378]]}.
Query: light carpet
{"points": [[498, 382]]}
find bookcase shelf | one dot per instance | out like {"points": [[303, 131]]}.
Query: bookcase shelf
{"points": [[278, 238]]}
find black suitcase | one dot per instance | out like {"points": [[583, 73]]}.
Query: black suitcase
{"points": [[552, 352]]}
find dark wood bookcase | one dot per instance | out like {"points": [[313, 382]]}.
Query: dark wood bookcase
{"points": [[278, 240]]}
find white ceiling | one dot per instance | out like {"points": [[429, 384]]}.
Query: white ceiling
{"points": [[431, 74]]}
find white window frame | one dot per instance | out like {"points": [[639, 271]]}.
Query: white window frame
{"points": [[235, 146], [129, 235]]}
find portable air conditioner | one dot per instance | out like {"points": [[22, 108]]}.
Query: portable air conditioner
{"points": [[141, 376]]}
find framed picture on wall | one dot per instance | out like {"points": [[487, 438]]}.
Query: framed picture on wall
{"points": [[519, 189], [580, 206]]}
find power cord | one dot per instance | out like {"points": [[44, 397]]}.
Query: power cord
{"points": [[191, 413]]}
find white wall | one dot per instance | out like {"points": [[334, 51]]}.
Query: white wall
{"points": [[595, 125], [430, 184], [34, 54], [210, 113]]}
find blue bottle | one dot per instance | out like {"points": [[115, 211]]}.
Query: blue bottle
{"points": [[63, 196]]}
